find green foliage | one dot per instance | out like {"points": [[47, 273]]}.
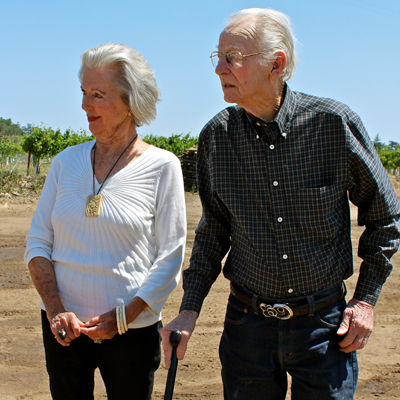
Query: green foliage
{"points": [[71, 138], [44, 142], [393, 145], [7, 128], [176, 144], [389, 154], [8, 148], [390, 159]]}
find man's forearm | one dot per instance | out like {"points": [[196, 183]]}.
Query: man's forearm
{"points": [[377, 245]]}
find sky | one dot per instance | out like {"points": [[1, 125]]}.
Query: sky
{"points": [[349, 50]]}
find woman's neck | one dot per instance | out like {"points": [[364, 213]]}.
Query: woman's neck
{"points": [[115, 144]]}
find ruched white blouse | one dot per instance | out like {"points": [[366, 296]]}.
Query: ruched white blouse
{"points": [[135, 247]]}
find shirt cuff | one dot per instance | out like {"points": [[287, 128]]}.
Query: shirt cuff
{"points": [[36, 252], [192, 301], [367, 291]]}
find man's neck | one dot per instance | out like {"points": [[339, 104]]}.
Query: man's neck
{"points": [[268, 109]]}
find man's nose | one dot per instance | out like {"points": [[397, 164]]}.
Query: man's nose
{"points": [[222, 66]]}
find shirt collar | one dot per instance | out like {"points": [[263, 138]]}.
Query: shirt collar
{"points": [[285, 113]]}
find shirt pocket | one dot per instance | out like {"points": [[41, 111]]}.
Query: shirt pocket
{"points": [[318, 212]]}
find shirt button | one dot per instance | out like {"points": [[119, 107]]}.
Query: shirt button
{"points": [[257, 137], [275, 183], [257, 123], [285, 256], [290, 291], [280, 219], [284, 134], [272, 147]]}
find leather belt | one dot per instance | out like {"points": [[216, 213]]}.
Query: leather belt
{"points": [[283, 309]]}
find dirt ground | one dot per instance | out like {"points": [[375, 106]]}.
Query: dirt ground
{"points": [[22, 368]]}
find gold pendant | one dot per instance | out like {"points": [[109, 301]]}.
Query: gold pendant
{"points": [[93, 205]]}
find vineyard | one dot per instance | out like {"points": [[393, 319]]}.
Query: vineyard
{"points": [[27, 149], [26, 153]]}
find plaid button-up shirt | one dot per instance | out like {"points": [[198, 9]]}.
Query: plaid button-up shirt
{"points": [[275, 196]]}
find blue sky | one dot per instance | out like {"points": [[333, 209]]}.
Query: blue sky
{"points": [[348, 50]]}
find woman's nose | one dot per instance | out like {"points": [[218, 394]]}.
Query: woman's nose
{"points": [[85, 102]]}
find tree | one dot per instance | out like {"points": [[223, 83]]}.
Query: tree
{"points": [[390, 159], [40, 143], [44, 142], [393, 145], [7, 128], [8, 148], [71, 138], [176, 144], [27, 129], [377, 142]]}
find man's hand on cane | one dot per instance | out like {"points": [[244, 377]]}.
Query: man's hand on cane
{"points": [[185, 322]]}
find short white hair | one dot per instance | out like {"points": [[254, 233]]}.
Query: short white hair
{"points": [[135, 79], [271, 30]]}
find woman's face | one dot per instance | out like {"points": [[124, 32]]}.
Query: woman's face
{"points": [[106, 113]]}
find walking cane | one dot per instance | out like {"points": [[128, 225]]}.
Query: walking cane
{"points": [[174, 339]]}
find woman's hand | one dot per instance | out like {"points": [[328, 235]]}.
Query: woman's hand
{"points": [[105, 326], [65, 327], [101, 327]]}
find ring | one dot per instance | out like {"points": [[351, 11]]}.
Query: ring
{"points": [[62, 334], [97, 341]]}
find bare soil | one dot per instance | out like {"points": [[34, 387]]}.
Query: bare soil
{"points": [[22, 369]]}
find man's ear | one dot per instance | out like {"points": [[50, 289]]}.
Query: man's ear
{"points": [[279, 64]]}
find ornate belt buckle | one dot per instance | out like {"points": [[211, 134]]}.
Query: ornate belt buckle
{"points": [[280, 311]]}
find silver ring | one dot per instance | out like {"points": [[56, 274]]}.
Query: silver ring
{"points": [[97, 341], [62, 334]]}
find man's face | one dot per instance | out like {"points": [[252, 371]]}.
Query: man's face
{"points": [[246, 85]]}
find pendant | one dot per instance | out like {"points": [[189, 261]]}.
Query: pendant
{"points": [[93, 205]]}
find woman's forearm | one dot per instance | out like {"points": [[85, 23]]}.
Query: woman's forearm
{"points": [[44, 279], [134, 308]]}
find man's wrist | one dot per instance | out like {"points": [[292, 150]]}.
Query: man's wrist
{"points": [[189, 314]]}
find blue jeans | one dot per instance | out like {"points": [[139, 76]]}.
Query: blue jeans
{"points": [[257, 353], [126, 362]]}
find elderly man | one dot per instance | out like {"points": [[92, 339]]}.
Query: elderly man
{"points": [[275, 173]]}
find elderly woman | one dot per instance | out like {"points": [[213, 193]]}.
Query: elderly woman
{"points": [[107, 240]]}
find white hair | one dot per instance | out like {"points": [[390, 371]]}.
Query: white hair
{"points": [[135, 79], [271, 30]]}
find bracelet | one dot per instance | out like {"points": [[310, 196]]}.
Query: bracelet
{"points": [[117, 318], [124, 319], [121, 320]]}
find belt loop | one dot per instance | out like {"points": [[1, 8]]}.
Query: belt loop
{"points": [[254, 304], [311, 306], [344, 288]]}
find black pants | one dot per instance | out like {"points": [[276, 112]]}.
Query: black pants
{"points": [[126, 362]]}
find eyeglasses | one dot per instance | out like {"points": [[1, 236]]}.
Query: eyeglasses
{"points": [[234, 58]]}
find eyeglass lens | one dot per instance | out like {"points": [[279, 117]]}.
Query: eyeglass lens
{"points": [[233, 58]]}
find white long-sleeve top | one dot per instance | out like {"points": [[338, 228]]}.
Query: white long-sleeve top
{"points": [[135, 247]]}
